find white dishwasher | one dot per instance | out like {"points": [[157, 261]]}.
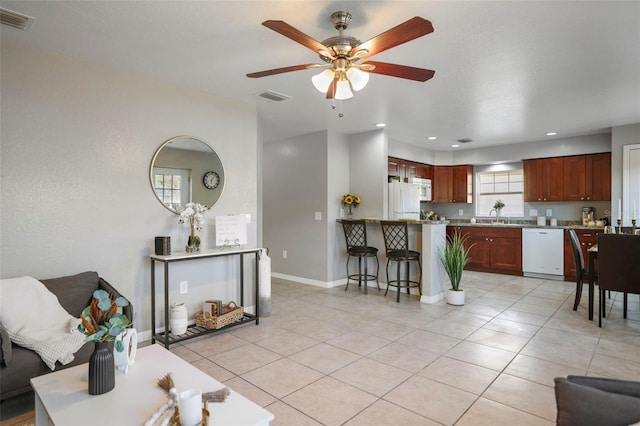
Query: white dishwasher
{"points": [[543, 253]]}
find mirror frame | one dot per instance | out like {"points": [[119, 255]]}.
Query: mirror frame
{"points": [[220, 172]]}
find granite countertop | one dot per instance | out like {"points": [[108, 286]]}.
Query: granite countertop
{"points": [[409, 221], [525, 224], [465, 222]]}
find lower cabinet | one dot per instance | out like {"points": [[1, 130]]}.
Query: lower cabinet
{"points": [[587, 238], [493, 249]]}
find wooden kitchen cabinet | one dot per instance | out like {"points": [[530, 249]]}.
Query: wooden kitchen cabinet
{"points": [[598, 176], [587, 177], [587, 238], [497, 250], [453, 184], [442, 185], [543, 179], [406, 170], [424, 171]]}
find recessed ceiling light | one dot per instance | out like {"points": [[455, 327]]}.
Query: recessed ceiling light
{"points": [[455, 146], [432, 138], [381, 125], [551, 133]]}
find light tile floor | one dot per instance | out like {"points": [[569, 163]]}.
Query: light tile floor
{"points": [[335, 357]]}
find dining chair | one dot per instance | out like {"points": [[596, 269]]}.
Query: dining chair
{"points": [[355, 235], [582, 273], [618, 267], [396, 243]]}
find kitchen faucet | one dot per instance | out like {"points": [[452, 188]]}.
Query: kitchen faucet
{"points": [[491, 211], [508, 220]]}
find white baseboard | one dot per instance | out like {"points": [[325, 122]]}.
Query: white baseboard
{"points": [[433, 299]]}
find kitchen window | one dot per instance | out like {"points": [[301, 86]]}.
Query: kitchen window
{"points": [[507, 186]]}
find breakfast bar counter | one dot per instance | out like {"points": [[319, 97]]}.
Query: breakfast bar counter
{"points": [[428, 237]]}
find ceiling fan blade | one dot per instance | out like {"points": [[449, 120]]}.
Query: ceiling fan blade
{"points": [[407, 31], [400, 71], [282, 70], [296, 35]]}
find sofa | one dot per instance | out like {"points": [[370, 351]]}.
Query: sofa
{"points": [[597, 401], [18, 364]]}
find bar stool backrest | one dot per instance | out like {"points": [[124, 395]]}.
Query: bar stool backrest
{"points": [[355, 233], [396, 237]]}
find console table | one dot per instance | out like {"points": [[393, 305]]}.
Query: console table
{"points": [[168, 338]]}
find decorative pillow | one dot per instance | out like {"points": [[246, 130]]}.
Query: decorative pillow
{"points": [[583, 405]]}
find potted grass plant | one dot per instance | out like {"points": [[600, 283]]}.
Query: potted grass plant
{"points": [[454, 259]]}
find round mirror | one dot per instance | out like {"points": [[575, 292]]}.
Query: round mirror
{"points": [[185, 170]]}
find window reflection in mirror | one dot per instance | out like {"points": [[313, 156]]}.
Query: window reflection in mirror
{"points": [[177, 171]]}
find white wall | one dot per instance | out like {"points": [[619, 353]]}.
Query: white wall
{"points": [[545, 148], [295, 187], [338, 184], [76, 145], [621, 136]]}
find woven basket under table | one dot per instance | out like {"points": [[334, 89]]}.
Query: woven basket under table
{"points": [[231, 313]]}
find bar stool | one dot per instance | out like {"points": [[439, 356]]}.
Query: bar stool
{"points": [[355, 235], [396, 242]]}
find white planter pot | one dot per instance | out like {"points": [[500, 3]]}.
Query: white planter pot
{"points": [[455, 297], [178, 318]]}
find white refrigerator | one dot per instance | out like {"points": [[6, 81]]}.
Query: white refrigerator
{"points": [[404, 201]]}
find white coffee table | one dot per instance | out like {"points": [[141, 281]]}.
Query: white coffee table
{"points": [[63, 397]]}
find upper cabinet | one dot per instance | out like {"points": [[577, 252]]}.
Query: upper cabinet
{"points": [[572, 178], [543, 179], [406, 170], [453, 184], [587, 177], [598, 176]]}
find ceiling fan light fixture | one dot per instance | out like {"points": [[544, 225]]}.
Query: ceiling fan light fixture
{"points": [[343, 90], [358, 78], [323, 80]]}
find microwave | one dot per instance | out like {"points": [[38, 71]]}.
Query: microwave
{"points": [[425, 188]]}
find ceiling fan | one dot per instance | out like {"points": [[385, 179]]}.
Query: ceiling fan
{"points": [[343, 55]]}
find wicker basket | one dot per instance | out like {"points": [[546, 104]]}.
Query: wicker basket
{"points": [[231, 313]]}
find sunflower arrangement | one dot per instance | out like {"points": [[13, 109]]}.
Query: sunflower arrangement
{"points": [[351, 200]]}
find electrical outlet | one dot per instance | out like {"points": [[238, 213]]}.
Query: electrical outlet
{"points": [[184, 287], [460, 212], [284, 254], [318, 215], [533, 212], [549, 213]]}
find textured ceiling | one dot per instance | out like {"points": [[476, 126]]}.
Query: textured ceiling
{"points": [[506, 71]]}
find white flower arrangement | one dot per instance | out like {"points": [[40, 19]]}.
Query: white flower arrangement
{"points": [[193, 214]]}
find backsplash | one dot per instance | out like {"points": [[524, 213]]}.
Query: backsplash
{"points": [[567, 213]]}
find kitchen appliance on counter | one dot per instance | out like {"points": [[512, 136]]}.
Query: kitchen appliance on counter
{"points": [[588, 215], [425, 188], [543, 253], [404, 201]]}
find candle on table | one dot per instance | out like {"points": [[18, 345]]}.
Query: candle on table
{"points": [[619, 209], [634, 209]]}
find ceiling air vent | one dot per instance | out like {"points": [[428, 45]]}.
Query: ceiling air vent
{"points": [[272, 96], [465, 140], [14, 19]]}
